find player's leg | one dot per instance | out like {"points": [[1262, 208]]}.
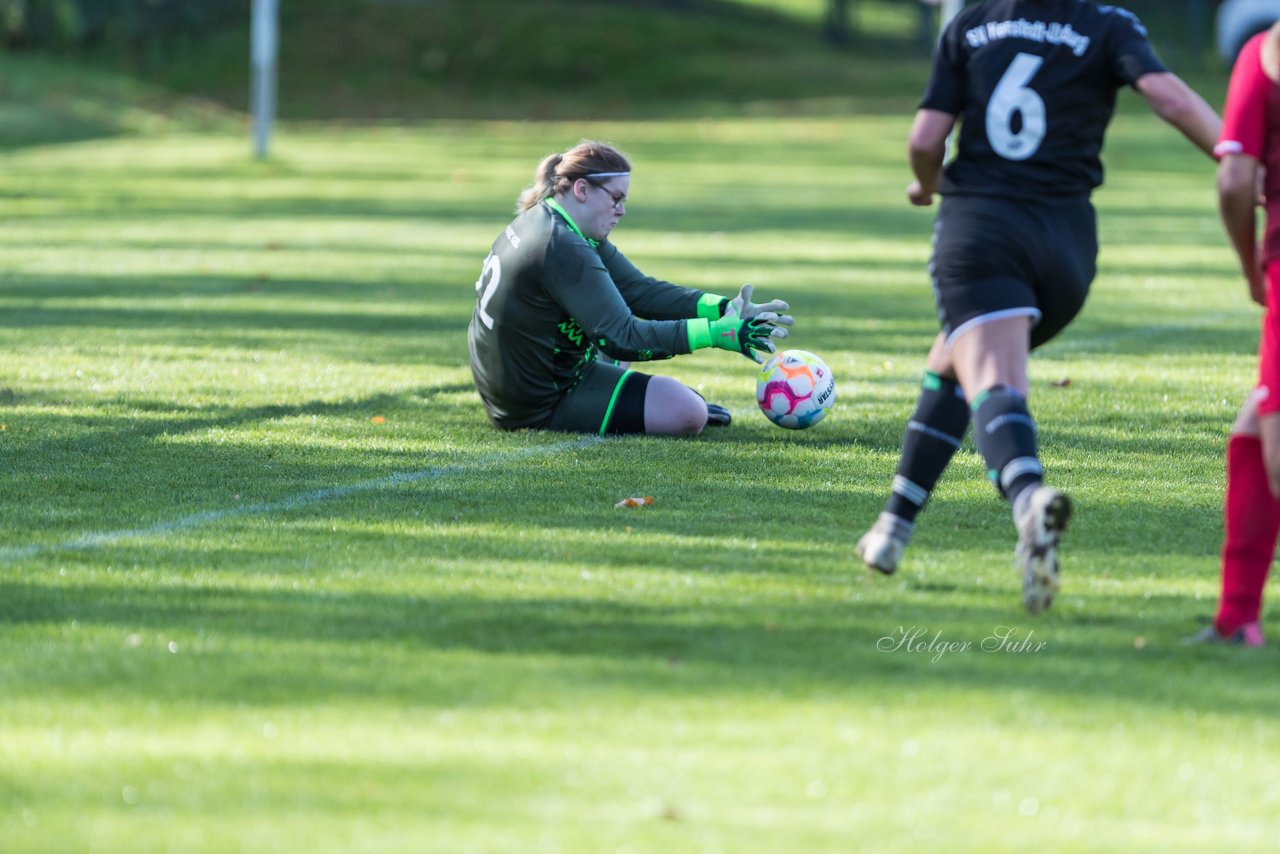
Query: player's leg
{"points": [[672, 408], [609, 400], [969, 268], [1251, 517], [932, 437], [937, 426], [717, 415], [986, 269], [1269, 433], [992, 356], [1055, 258], [1251, 509], [990, 359]]}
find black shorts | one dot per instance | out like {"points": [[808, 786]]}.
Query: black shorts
{"points": [[608, 400], [997, 257]]}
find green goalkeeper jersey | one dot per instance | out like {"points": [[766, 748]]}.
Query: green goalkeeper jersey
{"points": [[548, 301]]}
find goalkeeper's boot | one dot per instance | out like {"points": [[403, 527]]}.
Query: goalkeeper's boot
{"points": [[1043, 518], [881, 547], [1250, 634], [718, 416]]}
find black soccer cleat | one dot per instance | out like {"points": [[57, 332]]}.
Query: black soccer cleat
{"points": [[718, 416]]}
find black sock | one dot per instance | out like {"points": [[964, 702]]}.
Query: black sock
{"points": [[1006, 436], [933, 436]]}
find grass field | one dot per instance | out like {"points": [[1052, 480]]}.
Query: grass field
{"points": [[269, 581]]}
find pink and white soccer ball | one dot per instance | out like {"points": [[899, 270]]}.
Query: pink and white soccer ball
{"points": [[795, 389]]}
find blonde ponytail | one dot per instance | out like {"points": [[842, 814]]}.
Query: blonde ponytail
{"points": [[557, 172], [544, 183]]}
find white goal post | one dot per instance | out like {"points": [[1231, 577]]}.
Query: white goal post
{"points": [[265, 40], [950, 8]]}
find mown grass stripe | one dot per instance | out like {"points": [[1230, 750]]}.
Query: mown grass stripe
{"points": [[97, 539]]}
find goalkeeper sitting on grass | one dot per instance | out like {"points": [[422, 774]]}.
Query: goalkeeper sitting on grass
{"points": [[559, 313]]}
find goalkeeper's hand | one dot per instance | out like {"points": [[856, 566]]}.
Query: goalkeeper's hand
{"points": [[742, 306], [750, 337]]}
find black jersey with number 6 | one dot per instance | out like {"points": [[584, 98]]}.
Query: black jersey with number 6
{"points": [[1034, 82]]}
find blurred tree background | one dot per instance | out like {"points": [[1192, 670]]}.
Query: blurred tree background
{"points": [[421, 59], [138, 26], [132, 26]]}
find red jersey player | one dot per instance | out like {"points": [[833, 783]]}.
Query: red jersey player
{"points": [[1250, 155]]}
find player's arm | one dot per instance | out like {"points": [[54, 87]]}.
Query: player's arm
{"points": [[1237, 203], [1242, 143], [653, 298], [926, 151], [574, 277], [1178, 104]]}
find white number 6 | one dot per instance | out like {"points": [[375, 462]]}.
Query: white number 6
{"points": [[492, 270], [1013, 96]]}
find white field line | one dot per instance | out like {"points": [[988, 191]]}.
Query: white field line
{"points": [[96, 539]]}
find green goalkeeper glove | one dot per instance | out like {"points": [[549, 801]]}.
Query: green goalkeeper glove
{"points": [[713, 306], [749, 337], [742, 306]]}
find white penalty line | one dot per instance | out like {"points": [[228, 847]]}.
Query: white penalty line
{"points": [[97, 539]]}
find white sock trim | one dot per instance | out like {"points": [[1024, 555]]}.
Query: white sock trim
{"points": [[1016, 468], [913, 492]]}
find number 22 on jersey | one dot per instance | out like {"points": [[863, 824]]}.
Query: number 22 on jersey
{"points": [[1013, 95], [486, 285]]}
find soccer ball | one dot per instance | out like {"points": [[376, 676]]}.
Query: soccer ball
{"points": [[795, 389]]}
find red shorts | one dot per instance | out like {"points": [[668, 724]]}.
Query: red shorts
{"points": [[1269, 347]]}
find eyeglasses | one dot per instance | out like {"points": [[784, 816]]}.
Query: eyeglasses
{"points": [[619, 199]]}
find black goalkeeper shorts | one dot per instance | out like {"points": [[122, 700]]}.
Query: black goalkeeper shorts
{"points": [[609, 400]]}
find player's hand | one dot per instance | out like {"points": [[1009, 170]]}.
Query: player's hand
{"points": [[1256, 278], [1258, 293], [917, 195], [1258, 289], [749, 337], [742, 306], [1260, 186]]}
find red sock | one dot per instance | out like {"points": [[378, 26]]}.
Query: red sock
{"points": [[1252, 523]]}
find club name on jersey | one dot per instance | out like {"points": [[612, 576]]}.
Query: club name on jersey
{"points": [[1036, 31]]}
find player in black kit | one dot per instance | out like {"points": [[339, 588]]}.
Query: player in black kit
{"points": [[1033, 83], [560, 311]]}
